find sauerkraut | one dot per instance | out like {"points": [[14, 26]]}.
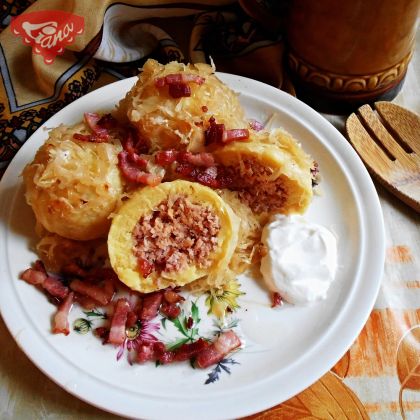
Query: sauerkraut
{"points": [[56, 252]]}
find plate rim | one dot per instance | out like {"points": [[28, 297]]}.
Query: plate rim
{"points": [[372, 212]]}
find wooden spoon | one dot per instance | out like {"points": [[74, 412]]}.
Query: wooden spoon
{"points": [[388, 141]]}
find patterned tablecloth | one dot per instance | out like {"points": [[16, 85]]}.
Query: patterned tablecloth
{"points": [[379, 376]]}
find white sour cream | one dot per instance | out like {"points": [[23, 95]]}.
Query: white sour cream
{"points": [[301, 261]]}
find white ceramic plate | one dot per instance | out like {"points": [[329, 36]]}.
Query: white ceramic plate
{"points": [[287, 349]]}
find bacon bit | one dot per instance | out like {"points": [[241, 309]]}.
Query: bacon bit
{"points": [[214, 133], [93, 291], [160, 82], [138, 160], [171, 310], [176, 78], [166, 357], [52, 285], [103, 333], [166, 157], [133, 143], [172, 297], [55, 287], [133, 173], [74, 269], [277, 300], [39, 266], [61, 323], [224, 178], [161, 354], [92, 138], [236, 134], [197, 159], [187, 351], [145, 267], [153, 351], [209, 178], [179, 90], [119, 319], [178, 83], [33, 276], [108, 122], [145, 352], [128, 141], [148, 351], [220, 348], [184, 78], [99, 132], [151, 303], [92, 119], [256, 125], [185, 169], [131, 319], [204, 108]]}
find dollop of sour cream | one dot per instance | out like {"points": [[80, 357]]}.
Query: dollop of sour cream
{"points": [[301, 259]]}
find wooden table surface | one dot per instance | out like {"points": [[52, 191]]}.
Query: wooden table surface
{"points": [[372, 368]]}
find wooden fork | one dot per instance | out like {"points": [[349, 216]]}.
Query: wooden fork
{"points": [[389, 144]]}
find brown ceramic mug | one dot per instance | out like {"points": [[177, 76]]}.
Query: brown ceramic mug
{"points": [[342, 54]]}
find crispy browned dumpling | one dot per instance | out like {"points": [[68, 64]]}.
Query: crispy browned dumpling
{"points": [[179, 123], [73, 186]]}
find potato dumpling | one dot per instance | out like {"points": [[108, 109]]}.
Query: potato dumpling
{"points": [[179, 123], [171, 235], [271, 172], [73, 186]]}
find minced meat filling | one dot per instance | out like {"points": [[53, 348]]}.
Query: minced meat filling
{"points": [[176, 234], [255, 186]]}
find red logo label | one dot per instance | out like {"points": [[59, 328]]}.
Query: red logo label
{"points": [[48, 31]]}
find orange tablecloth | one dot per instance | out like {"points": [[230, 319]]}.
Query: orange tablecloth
{"points": [[379, 376]]}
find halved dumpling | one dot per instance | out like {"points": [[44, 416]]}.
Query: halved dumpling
{"points": [[271, 172], [170, 122], [171, 235]]}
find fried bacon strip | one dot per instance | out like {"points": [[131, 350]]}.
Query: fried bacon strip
{"points": [[118, 323], [166, 157], [175, 78], [190, 350], [132, 143], [218, 350], [178, 83], [39, 277], [100, 133], [102, 295], [151, 304], [61, 322], [217, 133], [133, 173]]}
